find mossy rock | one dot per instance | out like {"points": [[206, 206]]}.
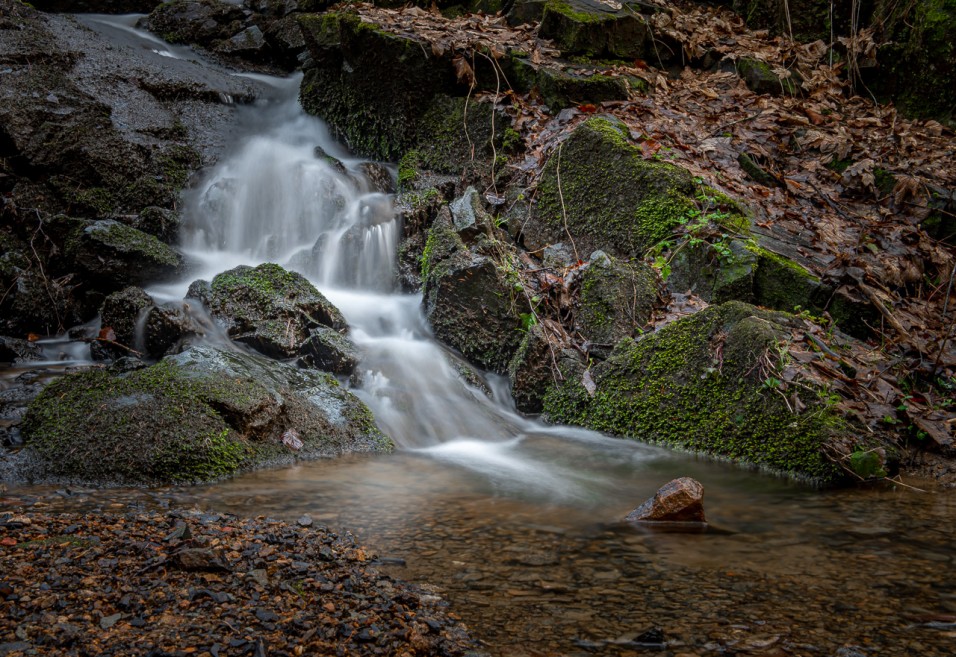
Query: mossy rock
{"points": [[610, 198], [455, 133], [328, 350], [471, 304], [616, 300], [761, 79], [270, 309], [121, 311], [586, 27], [117, 255], [538, 366], [715, 276], [372, 86], [700, 383], [196, 22], [198, 416], [562, 87]]}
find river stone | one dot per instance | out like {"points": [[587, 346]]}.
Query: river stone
{"points": [[700, 383], [167, 326], [14, 350], [270, 309], [327, 349], [121, 311], [196, 416], [680, 500]]}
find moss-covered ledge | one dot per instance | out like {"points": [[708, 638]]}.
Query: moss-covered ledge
{"points": [[709, 383]]}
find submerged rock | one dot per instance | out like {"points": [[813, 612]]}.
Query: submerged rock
{"points": [[196, 416], [680, 500]]}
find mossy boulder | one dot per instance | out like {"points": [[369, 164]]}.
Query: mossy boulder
{"points": [[117, 255], [539, 365], [760, 78], [595, 29], [615, 301], [327, 349], [198, 416], [469, 300], [601, 190], [707, 383], [270, 309]]}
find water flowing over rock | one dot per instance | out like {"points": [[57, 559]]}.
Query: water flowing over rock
{"points": [[680, 500], [271, 309], [196, 416]]}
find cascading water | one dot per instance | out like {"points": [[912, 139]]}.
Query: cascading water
{"points": [[281, 198]]}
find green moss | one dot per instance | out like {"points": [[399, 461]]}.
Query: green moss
{"points": [[698, 384], [408, 168], [161, 427], [613, 199], [565, 9], [512, 142], [127, 239]]}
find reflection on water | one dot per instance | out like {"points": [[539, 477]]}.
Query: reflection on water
{"points": [[791, 571]]}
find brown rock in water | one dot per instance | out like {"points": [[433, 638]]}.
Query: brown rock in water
{"points": [[681, 500]]}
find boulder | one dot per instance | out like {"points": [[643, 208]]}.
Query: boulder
{"points": [[613, 199], [196, 22], [596, 29], [539, 365], [167, 327], [98, 6], [117, 255], [122, 311], [707, 382], [197, 416], [680, 500], [761, 78], [715, 276], [270, 309], [471, 305], [615, 301], [161, 223]]}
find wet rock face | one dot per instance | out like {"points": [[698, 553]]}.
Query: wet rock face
{"points": [[117, 255], [121, 311], [613, 200], [468, 300], [197, 416], [680, 500]]}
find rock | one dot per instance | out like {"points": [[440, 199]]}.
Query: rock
{"points": [[613, 199], [327, 349], [109, 621], [468, 215], [713, 275], [585, 27], [562, 87], [387, 94], [200, 559], [197, 416], [159, 222], [468, 301], [123, 311], [538, 364], [762, 79], [249, 42], [700, 383], [379, 178], [116, 255], [615, 301], [98, 6], [196, 22], [680, 500], [270, 309], [14, 350], [304, 521], [166, 327]]}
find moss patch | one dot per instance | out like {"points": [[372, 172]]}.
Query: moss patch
{"points": [[698, 384], [614, 200]]}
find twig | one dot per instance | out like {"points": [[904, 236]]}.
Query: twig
{"points": [[564, 212], [884, 311]]}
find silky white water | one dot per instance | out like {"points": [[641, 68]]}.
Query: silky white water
{"points": [[279, 198]]}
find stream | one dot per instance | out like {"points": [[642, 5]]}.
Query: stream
{"points": [[518, 524]]}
